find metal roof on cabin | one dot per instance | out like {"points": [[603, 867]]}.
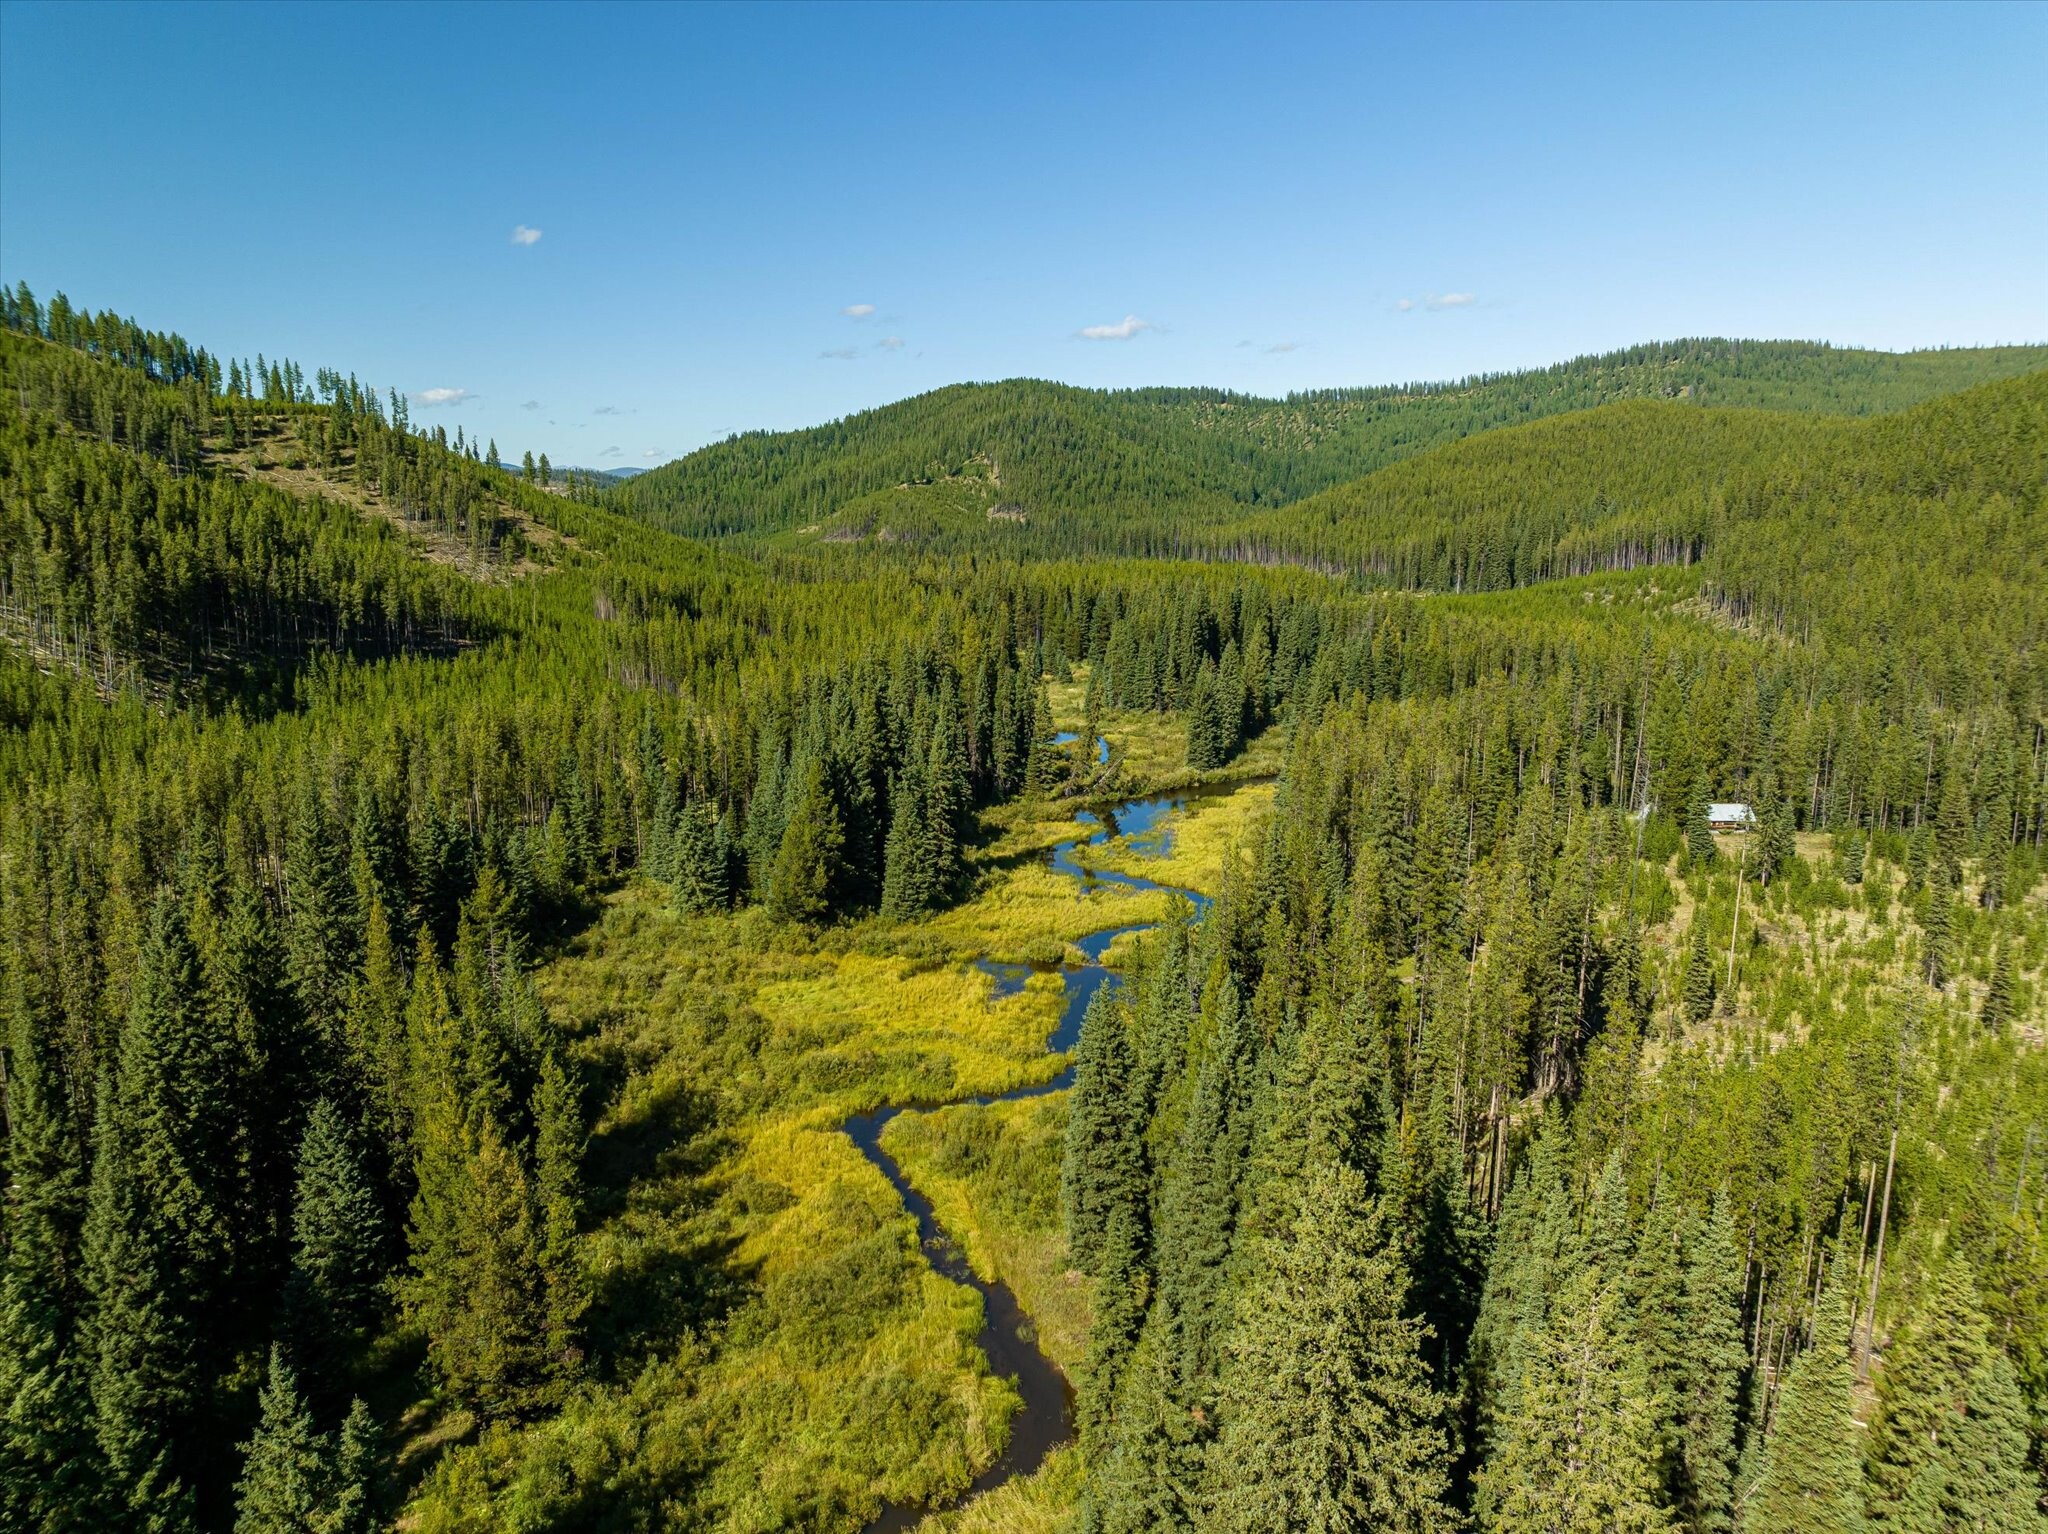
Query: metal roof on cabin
{"points": [[1730, 812]]}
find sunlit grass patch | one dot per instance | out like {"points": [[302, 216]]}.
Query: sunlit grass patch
{"points": [[993, 1176], [1198, 843], [1031, 913], [1040, 1503], [882, 1029]]}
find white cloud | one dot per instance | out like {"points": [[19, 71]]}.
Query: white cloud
{"points": [[611, 452], [840, 354], [858, 311], [654, 452], [1283, 346], [1122, 330], [610, 410], [890, 343], [521, 235], [532, 404], [428, 398], [1436, 303]]}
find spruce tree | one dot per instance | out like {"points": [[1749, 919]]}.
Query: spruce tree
{"points": [[284, 1487], [1812, 1470], [477, 1289], [909, 884], [699, 861], [160, 1215], [807, 862], [352, 1484], [337, 1249], [1937, 925], [1700, 975], [1709, 1388], [1103, 1169], [50, 1468], [1850, 854], [1148, 1470], [1699, 836], [558, 1157], [1121, 1291], [321, 925], [1329, 1419], [2001, 993], [1948, 1447], [1201, 1196], [1581, 1451]]}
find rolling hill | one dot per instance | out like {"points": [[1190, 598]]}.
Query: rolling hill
{"points": [[1030, 466]]}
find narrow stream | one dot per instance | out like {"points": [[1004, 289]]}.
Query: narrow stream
{"points": [[1007, 1336]]}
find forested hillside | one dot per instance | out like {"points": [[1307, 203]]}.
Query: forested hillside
{"points": [[1049, 469], [452, 929]]}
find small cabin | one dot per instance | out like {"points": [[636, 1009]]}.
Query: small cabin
{"points": [[1730, 817]]}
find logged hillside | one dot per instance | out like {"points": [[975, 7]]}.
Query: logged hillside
{"points": [[1925, 528], [1049, 468]]}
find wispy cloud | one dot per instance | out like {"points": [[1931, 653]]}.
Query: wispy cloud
{"points": [[1436, 303], [840, 354], [611, 452], [521, 235], [532, 404], [428, 398], [1130, 325], [1283, 346], [890, 343], [858, 311], [610, 410], [655, 452]]}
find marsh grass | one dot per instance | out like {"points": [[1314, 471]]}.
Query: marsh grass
{"points": [[1040, 1503], [1191, 848], [993, 1175], [767, 1343]]}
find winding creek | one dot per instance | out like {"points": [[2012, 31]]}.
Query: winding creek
{"points": [[1007, 1336]]}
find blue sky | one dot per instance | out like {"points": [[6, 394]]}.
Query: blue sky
{"points": [[770, 216]]}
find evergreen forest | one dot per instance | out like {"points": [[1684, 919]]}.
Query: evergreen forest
{"points": [[1032, 959]]}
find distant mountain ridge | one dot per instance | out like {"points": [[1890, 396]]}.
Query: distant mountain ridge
{"points": [[1106, 471]]}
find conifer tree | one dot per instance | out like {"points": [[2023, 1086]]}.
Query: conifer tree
{"points": [[321, 925], [50, 1470], [1329, 1419], [284, 1487], [1948, 1448], [807, 862], [1699, 836], [700, 873], [1121, 1292], [1103, 1170], [1937, 923], [1200, 1200], [909, 881], [1773, 845], [2001, 993], [352, 1484], [1581, 1451], [1812, 1471], [1850, 854], [476, 1287], [1709, 1390], [158, 1226], [1699, 975], [1149, 1467], [337, 1240], [558, 1156]]}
